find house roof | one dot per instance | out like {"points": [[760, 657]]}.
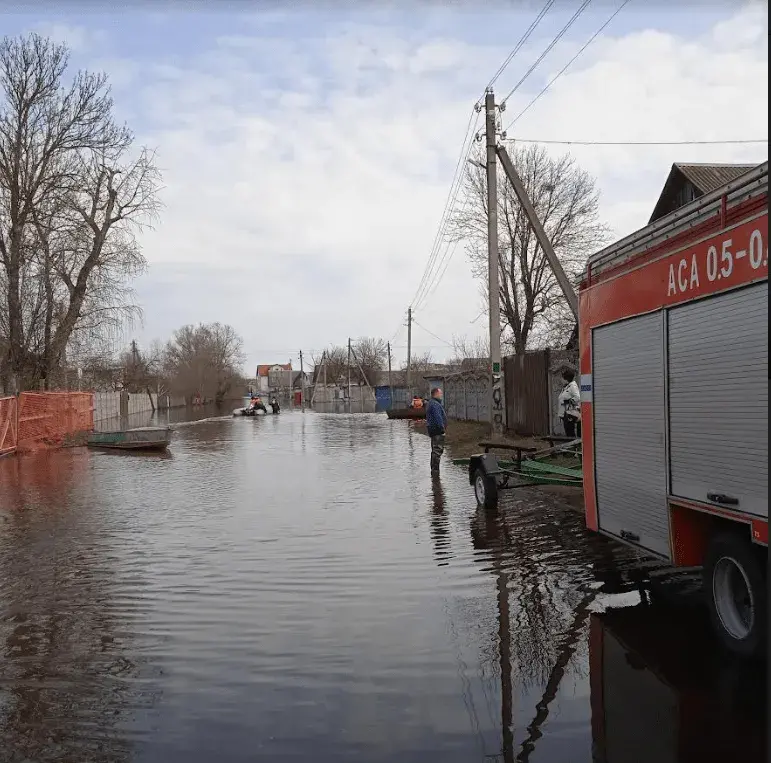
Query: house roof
{"points": [[703, 177], [709, 177], [264, 370]]}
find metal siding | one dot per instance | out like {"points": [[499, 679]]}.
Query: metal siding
{"points": [[629, 427], [718, 398]]}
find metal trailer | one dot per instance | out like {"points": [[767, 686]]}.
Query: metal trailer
{"points": [[673, 327], [489, 473]]}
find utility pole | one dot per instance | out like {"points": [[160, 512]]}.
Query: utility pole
{"points": [[363, 378], [540, 233], [497, 409], [409, 351], [390, 380], [326, 393], [302, 383], [350, 406]]}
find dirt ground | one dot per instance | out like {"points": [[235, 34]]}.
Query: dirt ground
{"points": [[462, 441]]}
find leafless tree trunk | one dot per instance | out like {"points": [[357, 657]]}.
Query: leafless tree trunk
{"points": [[71, 202], [533, 309]]}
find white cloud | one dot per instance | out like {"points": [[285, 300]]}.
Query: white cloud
{"points": [[305, 178], [78, 38]]}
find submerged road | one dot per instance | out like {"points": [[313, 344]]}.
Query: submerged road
{"points": [[295, 588]]}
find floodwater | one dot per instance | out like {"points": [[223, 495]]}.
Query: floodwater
{"points": [[295, 588]]}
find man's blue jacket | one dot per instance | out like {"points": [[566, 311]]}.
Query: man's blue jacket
{"points": [[436, 418]]}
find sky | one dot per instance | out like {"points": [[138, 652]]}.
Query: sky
{"points": [[307, 153]]}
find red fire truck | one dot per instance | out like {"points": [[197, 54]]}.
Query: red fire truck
{"points": [[673, 324]]}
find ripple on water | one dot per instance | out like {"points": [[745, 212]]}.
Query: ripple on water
{"points": [[296, 588]]}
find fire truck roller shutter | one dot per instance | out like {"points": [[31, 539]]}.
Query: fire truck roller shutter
{"points": [[718, 399], [629, 425]]}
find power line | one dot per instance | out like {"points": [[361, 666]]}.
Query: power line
{"points": [[425, 281], [543, 55], [449, 203], [431, 333], [644, 142], [444, 262], [571, 62], [518, 46]]}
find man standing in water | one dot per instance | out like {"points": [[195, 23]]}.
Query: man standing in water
{"points": [[436, 425]]}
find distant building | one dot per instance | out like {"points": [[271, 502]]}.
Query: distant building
{"points": [[273, 376], [688, 182]]}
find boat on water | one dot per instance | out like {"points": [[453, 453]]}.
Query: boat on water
{"points": [[140, 438], [406, 413]]}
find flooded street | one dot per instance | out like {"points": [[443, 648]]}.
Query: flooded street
{"points": [[295, 588]]}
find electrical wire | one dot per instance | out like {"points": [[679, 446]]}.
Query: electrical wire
{"points": [[571, 62], [428, 331], [548, 48], [425, 284], [518, 46], [443, 262], [741, 142], [449, 203]]}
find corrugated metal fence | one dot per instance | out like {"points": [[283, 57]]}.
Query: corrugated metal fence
{"points": [[466, 395]]}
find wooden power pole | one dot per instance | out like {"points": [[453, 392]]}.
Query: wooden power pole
{"points": [[409, 352], [302, 383], [350, 407], [390, 379], [497, 407]]}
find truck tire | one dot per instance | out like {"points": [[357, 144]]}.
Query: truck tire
{"points": [[735, 586], [485, 489]]}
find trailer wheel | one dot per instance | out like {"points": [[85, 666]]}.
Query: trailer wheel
{"points": [[735, 584], [485, 489]]}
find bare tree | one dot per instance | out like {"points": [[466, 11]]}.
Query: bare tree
{"points": [[420, 363], [470, 354], [204, 361], [72, 198], [533, 308], [372, 355], [335, 359]]}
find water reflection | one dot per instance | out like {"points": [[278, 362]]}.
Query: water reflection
{"points": [[440, 528], [67, 657], [662, 691], [550, 575], [297, 588]]}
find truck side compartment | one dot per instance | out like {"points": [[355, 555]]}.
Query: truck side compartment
{"points": [[673, 335]]}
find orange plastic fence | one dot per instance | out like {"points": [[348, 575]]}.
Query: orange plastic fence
{"points": [[47, 419], [8, 425]]}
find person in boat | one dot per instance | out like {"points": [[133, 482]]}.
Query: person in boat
{"points": [[436, 426], [274, 404], [569, 403], [256, 404], [417, 402]]}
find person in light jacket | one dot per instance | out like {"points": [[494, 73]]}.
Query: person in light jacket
{"points": [[436, 426], [570, 404]]}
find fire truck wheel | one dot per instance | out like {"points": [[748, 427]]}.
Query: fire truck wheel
{"points": [[485, 489], [735, 584]]}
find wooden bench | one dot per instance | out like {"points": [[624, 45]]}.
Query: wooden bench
{"points": [[489, 445]]}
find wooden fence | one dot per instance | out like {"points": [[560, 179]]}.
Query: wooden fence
{"points": [[533, 384]]}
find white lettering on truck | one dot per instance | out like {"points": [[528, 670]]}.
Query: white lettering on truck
{"points": [[717, 264]]}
